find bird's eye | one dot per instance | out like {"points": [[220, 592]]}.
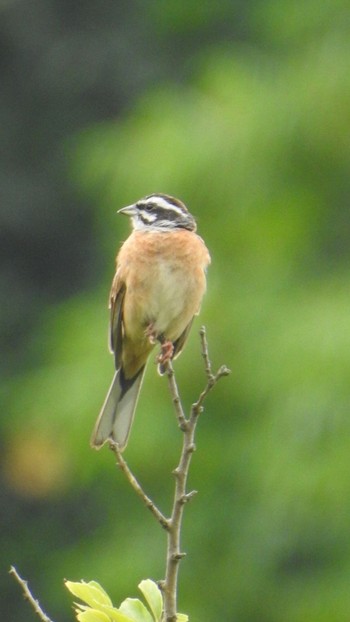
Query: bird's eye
{"points": [[149, 207]]}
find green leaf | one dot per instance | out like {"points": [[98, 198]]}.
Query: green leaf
{"points": [[134, 608], [91, 593], [92, 615], [116, 615], [112, 614], [181, 617], [153, 596]]}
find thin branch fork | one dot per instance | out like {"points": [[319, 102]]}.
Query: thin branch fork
{"points": [[188, 426], [173, 524]]}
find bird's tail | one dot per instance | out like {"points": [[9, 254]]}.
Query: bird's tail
{"points": [[117, 413]]}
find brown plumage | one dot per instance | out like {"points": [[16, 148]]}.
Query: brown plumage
{"points": [[157, 289]]}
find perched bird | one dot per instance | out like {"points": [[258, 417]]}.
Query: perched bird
{"points": [[157, 289]]}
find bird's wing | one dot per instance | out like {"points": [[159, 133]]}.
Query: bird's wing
{"points": [[116, 317]]}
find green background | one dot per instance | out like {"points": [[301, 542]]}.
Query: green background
{"points": [[241, 109]]}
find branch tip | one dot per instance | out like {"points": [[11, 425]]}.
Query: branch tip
{"points": [[178, 556], [223, 371], [188, 496]]}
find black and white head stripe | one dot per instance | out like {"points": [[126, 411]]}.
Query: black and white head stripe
{"points": [[162, 212]]}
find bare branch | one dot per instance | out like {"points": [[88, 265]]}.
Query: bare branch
{"points": [[174, 554], [212, 379], [137, 487], [28, 596], [205, 353], [181, 497], [174, 392], [197, 407]]}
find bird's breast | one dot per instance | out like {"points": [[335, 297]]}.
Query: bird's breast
{"points": [[165, 280]]}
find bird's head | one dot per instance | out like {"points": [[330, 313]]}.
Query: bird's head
{"points": [[159, 212]]}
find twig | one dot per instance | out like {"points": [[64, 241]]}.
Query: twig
{"points": [[28, 596], [173, 524], [174, 392], [174, 554], [137, 487], [205, 353], [212, 379]]}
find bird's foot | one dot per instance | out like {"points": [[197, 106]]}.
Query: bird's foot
{"points": [[166, 346], [166, 352]]}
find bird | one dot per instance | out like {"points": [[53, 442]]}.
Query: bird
{"points": [[159, 283]]}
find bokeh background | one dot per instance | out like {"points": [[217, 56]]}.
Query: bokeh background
{"points": [[241, 109]]}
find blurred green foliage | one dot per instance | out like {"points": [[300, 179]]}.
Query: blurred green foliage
{"points": [[256, 142]]}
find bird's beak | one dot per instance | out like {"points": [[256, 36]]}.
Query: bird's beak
{"points": [[129, 210]]}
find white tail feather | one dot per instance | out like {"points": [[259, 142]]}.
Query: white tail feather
{"points": [[117, 413]]}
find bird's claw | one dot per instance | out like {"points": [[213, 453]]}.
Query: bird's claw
{"points": [[166, 352]]}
